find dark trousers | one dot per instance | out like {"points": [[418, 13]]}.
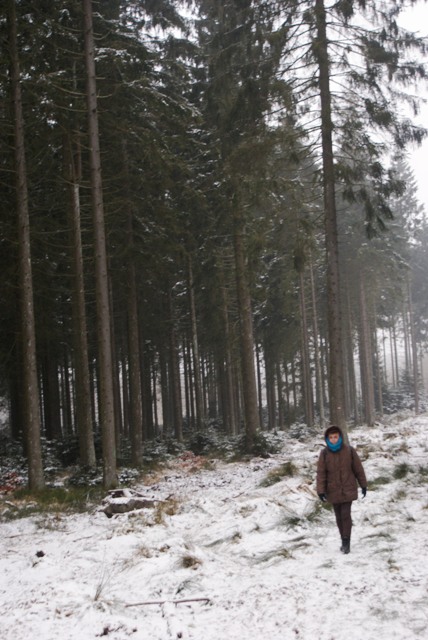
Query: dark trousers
{"points": [[342, 512]]}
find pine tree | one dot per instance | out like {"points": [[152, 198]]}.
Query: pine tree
{"points": [[243, 49], [372, 52], [28, 336], [105, 372]]}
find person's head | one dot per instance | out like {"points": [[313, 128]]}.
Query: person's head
{"points": [[333, 438]]}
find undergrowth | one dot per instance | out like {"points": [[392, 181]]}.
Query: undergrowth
{"points": [[286, 470], [423, 474], [378, 482], [23, 502], [310, 516], [401, 471], [263, 445]]}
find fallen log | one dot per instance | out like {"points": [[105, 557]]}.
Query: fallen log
{"points": [[125, 500]]}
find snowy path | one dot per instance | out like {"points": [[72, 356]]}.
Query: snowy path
{"points": [[267, 558]]}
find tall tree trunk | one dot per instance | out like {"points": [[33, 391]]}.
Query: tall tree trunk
{"points": [[406, 339], [188, 387], [134, 349], [317, 356], [125, 384], [72, 162], [106, 399], [154, 395], [379, 379], [29, 374], [366, 358], [174, 374], [230, 406], [351, 364], [336, 373], [385, 368], [259, 383], [51, 396], [16, 411], [148, 400], [270, 390], [293, 384], [281, 408], [287, 394], [136, 411], [391, 350], [115, 357], [396, 367], [199, 417], [305, 366], [167, 419], [414, 349], [212, 389], [68, 400], [249, 387]]}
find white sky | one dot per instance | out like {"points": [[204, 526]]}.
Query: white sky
{"points": [[416, 19]]}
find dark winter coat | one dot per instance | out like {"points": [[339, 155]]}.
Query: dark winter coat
{"points": [[338, 473]]}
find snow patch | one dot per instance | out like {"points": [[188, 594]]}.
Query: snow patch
{"points": [[233, 558]]}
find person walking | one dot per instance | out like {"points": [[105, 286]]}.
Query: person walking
{"points": [[339, 472]]}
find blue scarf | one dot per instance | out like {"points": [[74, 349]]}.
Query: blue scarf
{"points": [[334, 447]]}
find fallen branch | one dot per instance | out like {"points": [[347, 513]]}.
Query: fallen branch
{"points": [[160, 602]]}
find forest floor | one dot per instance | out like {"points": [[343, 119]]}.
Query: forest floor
{"points": [[232, 550]]}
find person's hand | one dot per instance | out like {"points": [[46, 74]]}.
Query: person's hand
{"points": [[322, 497], [364, 491]]}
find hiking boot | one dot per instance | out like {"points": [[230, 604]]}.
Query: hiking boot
{"points": [[346, 545]]}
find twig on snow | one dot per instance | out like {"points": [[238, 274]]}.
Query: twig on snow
{"points": [[161, 602]]}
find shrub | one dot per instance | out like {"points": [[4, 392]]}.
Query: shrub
{"points": [[401, 471], [264, 444], [202, 442]]}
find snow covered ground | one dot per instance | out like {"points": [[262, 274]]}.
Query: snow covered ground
{"points": [[224, 557]]}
